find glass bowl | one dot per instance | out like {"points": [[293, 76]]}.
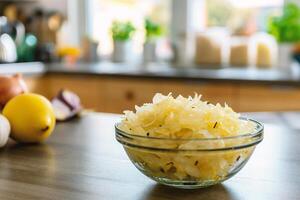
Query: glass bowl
{"points": [[190, 163]]}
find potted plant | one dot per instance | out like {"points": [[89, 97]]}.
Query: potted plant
{"points": [[153, 32], [122, 33], [286, 29]]}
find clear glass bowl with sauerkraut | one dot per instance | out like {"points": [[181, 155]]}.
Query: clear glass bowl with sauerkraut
{"points": [[186, 142]]}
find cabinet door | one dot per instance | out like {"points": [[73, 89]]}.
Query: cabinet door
{"points": [[268, 98], [87, 87], [108, 94], [124, 94], [38, 84]]}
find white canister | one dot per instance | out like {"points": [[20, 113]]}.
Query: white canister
{"points": [[285, 59], [264, 50], [149, 52], [122, 51], [239, 54], [212, 47]]}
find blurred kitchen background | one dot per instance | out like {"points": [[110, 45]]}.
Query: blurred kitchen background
{"points": [[118, 53]]}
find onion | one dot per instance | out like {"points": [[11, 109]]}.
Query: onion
{"points": [[11, 86], [66, 105]]}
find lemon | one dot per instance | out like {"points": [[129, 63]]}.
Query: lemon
{"points": [[31, 117]]}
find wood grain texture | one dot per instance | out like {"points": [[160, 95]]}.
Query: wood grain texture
{"points": [[270, 98], [113, 95], [108, 94], [83, 161]]}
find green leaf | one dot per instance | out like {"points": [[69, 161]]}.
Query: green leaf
{"points": [[286, 28], [122, 31], [153, 30]]}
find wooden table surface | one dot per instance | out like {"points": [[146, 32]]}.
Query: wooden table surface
{"points": [[82, 160]]}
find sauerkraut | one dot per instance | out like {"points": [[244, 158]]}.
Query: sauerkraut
{"points": [[180, 117], [186, 119]]}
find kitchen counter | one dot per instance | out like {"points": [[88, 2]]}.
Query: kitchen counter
{"points": [[82, 160], [32, 68], [161, 71], [116, 87]]}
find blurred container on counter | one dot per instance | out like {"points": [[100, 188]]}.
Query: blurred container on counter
{"points": [[122, 33], [212, 47], [240, 54], [89, 50], [8, 50], [12, 34], [26, 50], [265, 50], [69, 54], [45, 26], [13, 26], [34, 32]]}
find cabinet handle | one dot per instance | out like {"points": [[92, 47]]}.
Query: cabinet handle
{"points": [[129, 95]]}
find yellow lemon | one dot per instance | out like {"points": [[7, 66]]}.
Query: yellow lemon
{"points": [[31, 117]]}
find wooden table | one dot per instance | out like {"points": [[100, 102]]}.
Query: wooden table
{"points": [[82, 160]]}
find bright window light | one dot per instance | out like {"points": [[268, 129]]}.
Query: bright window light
{"points": [[104, 12], [256, 3]]}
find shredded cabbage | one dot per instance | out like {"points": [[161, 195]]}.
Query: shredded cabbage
{"points": [[180, 117], [186, 118]]}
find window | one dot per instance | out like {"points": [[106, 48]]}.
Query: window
{"points": [[241, 16], [238, 16], [104, 12]]}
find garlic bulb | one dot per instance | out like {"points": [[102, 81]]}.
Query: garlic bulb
{"points": [[4, 130]]}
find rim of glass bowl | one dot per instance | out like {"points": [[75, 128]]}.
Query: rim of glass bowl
{"points": [[239, 141]]}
